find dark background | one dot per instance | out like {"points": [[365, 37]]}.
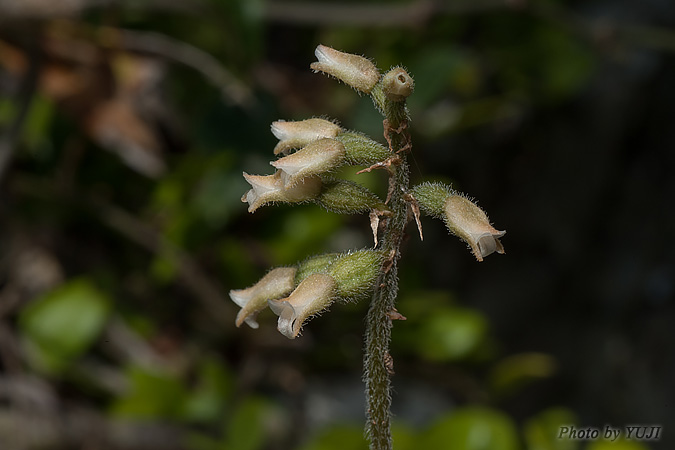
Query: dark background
{"points": [[124, 130]]}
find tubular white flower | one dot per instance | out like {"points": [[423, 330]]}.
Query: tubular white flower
{"points": [[316, 158], [357, 71], [276, 284], [314, 294], [467, 221], [271, 188], [300, 133]]}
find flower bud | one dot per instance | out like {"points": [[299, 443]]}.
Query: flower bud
{"points": [[467, 221], [270, 188], [463, 218], [397, 84], [361, 150], [347, 197], [316, 158], [314, 294], [300, 133], [357, 71], [355, 272], [276, 284]]}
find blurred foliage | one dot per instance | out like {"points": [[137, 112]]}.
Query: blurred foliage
{"points": [[128, 125]]}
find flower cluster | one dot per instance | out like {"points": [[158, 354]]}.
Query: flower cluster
{"points": [[304, 175], [297, 293], [308, 152]]}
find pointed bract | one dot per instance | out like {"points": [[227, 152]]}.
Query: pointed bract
{"points": [[300, 133], [356, 71], [276, 284], [314, 294]]}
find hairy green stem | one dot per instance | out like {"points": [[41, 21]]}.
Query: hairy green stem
{"points": [[378, 363]]}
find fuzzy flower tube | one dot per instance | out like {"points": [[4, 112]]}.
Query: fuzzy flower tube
{"points": [[309, 152]]}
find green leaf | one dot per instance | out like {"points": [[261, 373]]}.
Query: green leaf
{"points": [[515, 371], [342, 437], [62, 325], [207, 402], [246, 428], [619, 444], [452, 333], [472, 429], [541, 431], [403, 437], [151, 395], [218, 196]]}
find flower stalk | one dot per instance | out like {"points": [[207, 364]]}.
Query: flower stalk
{"points": [[377, 360], [309, 151]]}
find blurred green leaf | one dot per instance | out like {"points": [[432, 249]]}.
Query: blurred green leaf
{"points": [[451, 333], [515, 371], [343, 437], [303, 231], [541, 431], [403, 437], [472, 428], [37, 125], [619, 444], [246, 429], [207, 401], [151, 395], [218, 197], [442, 70], [64, 323], [163, 269]]}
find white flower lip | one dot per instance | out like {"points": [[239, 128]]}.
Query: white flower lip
{"points": [[267, 189], [489, 243], [313, 295], [321, 53], [280, 131], [470, 223], [277, 283]]}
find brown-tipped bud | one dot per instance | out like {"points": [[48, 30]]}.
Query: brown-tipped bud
{"points": [[270, 188], [467, 221], [397, 84], [318, 157], [314, 294], [356, 71], [276, 284], [300, 133]]}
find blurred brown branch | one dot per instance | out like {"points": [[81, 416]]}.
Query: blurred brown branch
{"points": [[83, 428], [11, 10], [175, 50], [382, 14], [418, 13]]}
